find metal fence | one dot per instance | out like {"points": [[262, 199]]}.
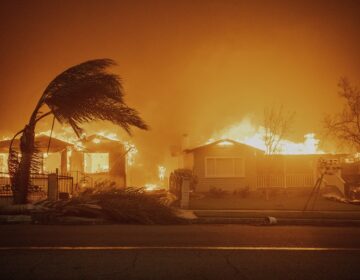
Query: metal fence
{"points": [[66, 184], [39, 186], [287, 180], [81, 179]]}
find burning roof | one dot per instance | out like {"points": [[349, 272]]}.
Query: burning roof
{"points": [[42, 142], [99, 143], [223, 142]]}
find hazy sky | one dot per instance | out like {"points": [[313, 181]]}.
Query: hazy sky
{"points": [[187, 66]]}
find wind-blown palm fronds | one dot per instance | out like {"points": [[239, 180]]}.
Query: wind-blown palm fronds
{"points": [[87, 92], [83, 93]]}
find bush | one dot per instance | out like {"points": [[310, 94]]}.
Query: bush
{"points": [[275, 192], [177, 177], [242, 192], [216, 192]]}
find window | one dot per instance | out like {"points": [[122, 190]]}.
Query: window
{"points": [[224, 167], [3, 163], [96, 162]]}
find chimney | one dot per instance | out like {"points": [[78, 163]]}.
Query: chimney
{"points": [[185, 142]]}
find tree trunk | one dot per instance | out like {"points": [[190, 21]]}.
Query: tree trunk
{"points": [[268, 176], [22, 177]]}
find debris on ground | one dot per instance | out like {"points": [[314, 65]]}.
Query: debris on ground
{"points": [[337, 198], [270, 220], [111, 205]]}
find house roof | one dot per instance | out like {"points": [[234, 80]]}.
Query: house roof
{"points": [[42, 142], [225, 143], [93, 143], [99, 143]]}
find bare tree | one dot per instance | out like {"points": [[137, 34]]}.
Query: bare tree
{"points": [[81, 94], [345, 126], [277, 124]]}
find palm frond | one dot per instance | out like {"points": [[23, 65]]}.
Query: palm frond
{"points": [[13, 164], [87, 92], [36, 160]]}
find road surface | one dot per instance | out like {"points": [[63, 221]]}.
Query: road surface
{"points": [[179, 252]]}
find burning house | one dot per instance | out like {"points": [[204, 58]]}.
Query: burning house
{"points": [[97, 158], [223, 164], [54, 156], [230, 165], [103, 159]]}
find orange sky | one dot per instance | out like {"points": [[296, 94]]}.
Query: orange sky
{"points": [[187, 66]]}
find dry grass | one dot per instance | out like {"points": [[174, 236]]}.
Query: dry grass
{"points": [[277, 202]]}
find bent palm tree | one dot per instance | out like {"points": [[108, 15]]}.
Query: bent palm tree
{"points": [[81, 94]]}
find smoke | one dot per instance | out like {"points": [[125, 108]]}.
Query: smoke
{"points": [[190, 67]]}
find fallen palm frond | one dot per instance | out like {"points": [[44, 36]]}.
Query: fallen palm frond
{"points": [[130, 206]]}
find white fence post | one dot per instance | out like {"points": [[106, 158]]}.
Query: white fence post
{"points": [[185, 194]]}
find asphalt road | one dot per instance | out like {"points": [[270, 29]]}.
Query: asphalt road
{"points": [[179, 252]]}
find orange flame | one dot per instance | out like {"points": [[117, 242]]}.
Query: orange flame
{"points": [[247, 133]]}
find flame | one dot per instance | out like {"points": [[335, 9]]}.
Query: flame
{"points": [[130, 147], [68, 157], [65, 135], [247, 133], [96, 140], [110, 135], [96, 162], [151, 187], [225, 143], [132, 151], [161, 172]]}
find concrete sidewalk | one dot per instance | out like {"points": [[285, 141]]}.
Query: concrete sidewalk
{"points": [[283, 217], [249, 217]]}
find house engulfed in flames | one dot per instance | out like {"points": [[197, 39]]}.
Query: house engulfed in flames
{"points": [[96, 158], [231, 165]]}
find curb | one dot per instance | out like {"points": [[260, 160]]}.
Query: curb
{"points": [[280, 221], [15, 219], [69, 220]]}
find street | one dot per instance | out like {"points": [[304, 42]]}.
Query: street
{"points": [[179, 252]]}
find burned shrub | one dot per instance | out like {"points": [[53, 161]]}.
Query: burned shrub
{"points": [[176, 180], [242, 192], [215, 192]]}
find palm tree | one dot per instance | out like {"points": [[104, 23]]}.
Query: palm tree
{"points": [[83, 93]]}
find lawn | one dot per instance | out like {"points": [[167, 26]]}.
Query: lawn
{"points": [[279, 202]]}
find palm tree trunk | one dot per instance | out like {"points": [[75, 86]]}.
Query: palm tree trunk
{"points": [[22, 177], [21, 180]]}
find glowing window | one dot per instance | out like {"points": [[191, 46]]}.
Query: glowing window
{"points": [[224, 167], [3, 163], [96, 162]]}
